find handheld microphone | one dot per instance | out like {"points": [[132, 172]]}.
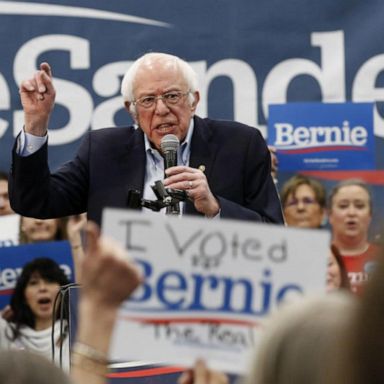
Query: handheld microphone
{"points": [[169, 146]]}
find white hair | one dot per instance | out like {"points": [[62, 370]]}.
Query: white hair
{"points": [[189, 74]]}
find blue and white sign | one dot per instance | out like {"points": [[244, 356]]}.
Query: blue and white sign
{"points": [[12, 260], [322, 136], [208, 285]]}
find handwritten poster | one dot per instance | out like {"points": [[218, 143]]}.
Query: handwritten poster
{"points": [[208, 285]]}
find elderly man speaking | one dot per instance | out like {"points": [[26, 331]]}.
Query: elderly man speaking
{"points": [[224, 166]]}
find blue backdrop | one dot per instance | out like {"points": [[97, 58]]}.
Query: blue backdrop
{"points": [[248, 55]]}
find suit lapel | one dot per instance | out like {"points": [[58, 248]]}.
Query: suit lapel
{"points": [[133, 162], [203, 152]]}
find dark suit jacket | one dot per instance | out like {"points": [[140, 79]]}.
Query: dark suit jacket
{"points": [[111, 161]]}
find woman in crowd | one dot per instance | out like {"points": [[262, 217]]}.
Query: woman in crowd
{"points": [[28, 325], [337, 276], [362, 362], [37, 230], [30, 313], [69, 228], [108, 279], [350, 214], [303, 200]]}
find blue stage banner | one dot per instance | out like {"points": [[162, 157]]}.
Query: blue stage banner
{"points": [[322, 136], [248, 55], [12, 260]]}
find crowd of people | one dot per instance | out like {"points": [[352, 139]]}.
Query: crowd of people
{"points": [[347, 212], [224, 175], [26, 323], [108, 278]]}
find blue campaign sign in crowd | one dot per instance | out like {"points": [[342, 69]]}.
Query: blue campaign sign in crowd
{"points": [[323, 136], [12, 260]]}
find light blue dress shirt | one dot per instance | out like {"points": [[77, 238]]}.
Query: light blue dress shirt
{"points": [[155, 164]]}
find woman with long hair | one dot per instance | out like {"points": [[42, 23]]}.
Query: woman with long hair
{"points": [[337, 275], [29, 324]]}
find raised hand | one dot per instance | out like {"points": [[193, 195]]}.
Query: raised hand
{"points": [[75, 225], [108, 277], [37, 96]]}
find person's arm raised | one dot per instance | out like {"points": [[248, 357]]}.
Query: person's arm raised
{"points": [[108, 278], [37, 96]]}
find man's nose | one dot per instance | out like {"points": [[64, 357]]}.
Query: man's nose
{"points": [[160, 106]]}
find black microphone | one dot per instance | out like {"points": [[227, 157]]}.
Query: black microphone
{"points": [[169, 146]]}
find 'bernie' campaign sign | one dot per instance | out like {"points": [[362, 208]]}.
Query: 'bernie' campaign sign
{"points": [[321, 136]]}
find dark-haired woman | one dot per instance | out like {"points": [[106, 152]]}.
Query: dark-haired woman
{"points": [[29, 325], [337, 275]]}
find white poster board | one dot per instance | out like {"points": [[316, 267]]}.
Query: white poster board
{"points": [[9, 230], [208, 285]]}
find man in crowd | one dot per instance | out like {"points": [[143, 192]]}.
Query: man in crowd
{"points": [[223, 166]]}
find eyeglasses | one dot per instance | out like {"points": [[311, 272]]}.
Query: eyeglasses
{"points": [[169, 98], [305, 201]]}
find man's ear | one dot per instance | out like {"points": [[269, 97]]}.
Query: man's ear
{"points": [[196, 99], [131, 110]]}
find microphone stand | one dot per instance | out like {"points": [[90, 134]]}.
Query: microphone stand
{"points": [[166, 198]]}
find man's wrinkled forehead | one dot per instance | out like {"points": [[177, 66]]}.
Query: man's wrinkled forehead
{"points": [[154, 62], [154, 66]]}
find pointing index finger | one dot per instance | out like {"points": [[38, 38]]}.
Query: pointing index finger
{"points": [[44, 80], [46, 68]]}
